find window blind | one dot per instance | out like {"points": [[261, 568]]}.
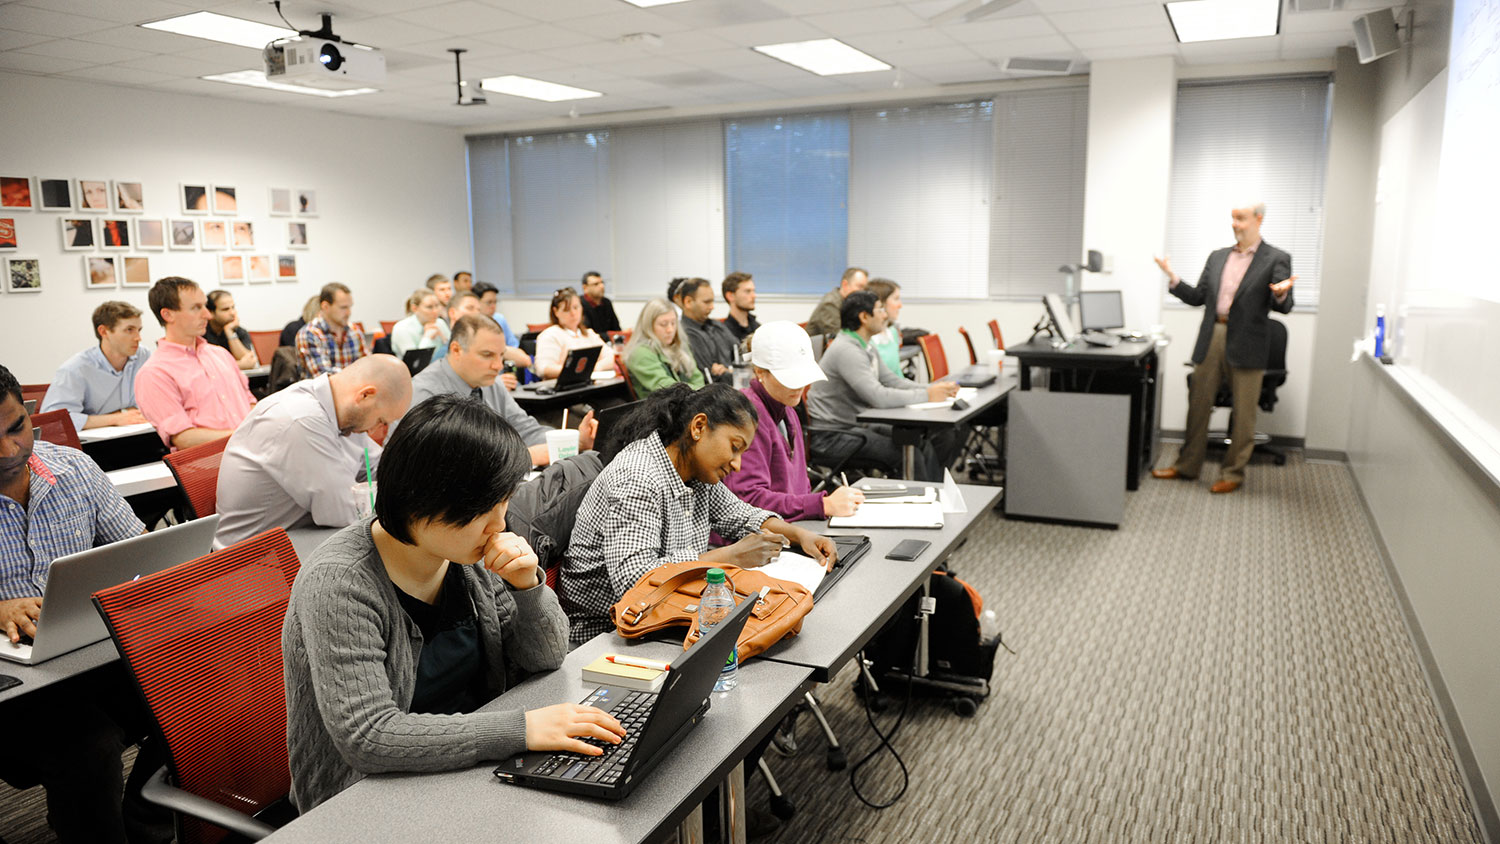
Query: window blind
{"points": [[1041, 140], [1239, 141], [668, 200], [787, 191], [560, 208], [920, 181], [489, 212]]}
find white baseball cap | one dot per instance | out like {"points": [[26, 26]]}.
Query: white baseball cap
{"points": [[785, 349]]}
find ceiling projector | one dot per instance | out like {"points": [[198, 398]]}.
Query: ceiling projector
{"points": [[320, 62]]}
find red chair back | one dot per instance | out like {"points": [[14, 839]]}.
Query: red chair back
{"points": [[968, 341], [197, 472], [34, 391], [613, 334], [537, 327], [55, 426], [932, 352], [387, 326], [265, 343], [995, 332], [203, 641]]}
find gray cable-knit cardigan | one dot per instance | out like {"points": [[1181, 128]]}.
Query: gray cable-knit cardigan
{"points": [[350, 654]]}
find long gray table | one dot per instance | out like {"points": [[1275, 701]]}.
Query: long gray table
{"points": [[471, 805], [845, 619], [57, 669], [909, 423]]}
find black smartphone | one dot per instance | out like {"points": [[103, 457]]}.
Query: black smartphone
{"points": [[908, 549], [6, 681]]}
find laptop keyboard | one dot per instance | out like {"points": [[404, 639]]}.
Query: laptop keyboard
{"points": [[632, 713]]}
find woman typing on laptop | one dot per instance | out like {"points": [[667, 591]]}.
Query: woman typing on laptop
{"points": [[404, 624]]}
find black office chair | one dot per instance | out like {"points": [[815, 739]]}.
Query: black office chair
{"points": [[1275, 376], [383, 345]]}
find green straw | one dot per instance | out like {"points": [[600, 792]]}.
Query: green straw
{"points": [[369, 479]]}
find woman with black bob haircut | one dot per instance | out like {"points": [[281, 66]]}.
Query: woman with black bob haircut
{"points": [[402, 625], [660, 497]]}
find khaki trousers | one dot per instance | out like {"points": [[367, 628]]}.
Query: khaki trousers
{"points": [[1245, 386]]}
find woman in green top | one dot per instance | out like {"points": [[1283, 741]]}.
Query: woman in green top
{"points": [[888, 342], [656, 356]]}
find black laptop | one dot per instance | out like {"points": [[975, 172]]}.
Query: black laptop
{"points": [[417, 360], [654, 723], [577, 371], [852, 549], [611, 423]]}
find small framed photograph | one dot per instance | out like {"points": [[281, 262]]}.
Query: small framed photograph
{"points": [[231, 269], [286, 267], [77, 233], [150, 233], [258, 269], [226, 200], [184, 234], [307, 202], [243, 234], [129, 198], [194, 198], [8, 239], [215, 234], [281, 202], [15, 193], [57, 194], [296, 235], [114, 234], [23, 275], [101, 271], [92, 195], [135, 271]]}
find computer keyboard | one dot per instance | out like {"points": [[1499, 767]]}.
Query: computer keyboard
{"points": [[632, 713], [1099, 338]]}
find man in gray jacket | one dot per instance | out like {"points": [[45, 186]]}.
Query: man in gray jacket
{"points": [[857, 381]]}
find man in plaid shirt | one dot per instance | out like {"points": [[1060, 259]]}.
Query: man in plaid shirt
{"points": [[328, 344]]}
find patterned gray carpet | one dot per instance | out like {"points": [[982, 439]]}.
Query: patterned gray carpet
{"points": [[1219, 669]]}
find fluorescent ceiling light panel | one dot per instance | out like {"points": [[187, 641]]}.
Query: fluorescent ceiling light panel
{"points": [[257, 79], [217, 27], [825, 57], [646, 4], [1220, 20], [535, 89]]}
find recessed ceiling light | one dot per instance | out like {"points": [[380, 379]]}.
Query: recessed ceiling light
{"points": [[536, 89], [646, 4], [257, 79], [825, 57], [217, 27], [1220, 20]]}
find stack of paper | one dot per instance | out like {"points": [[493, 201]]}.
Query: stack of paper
{"points": [[798, 568], [893, 514]]}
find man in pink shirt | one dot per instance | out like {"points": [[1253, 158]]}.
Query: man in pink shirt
{"points": [[191, 391], [1239, 287]]}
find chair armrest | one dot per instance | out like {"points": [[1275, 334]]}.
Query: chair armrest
{"points": [[160, 792]]}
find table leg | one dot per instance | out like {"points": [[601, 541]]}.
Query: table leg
{"points": [[690, 831], [732, 805]]}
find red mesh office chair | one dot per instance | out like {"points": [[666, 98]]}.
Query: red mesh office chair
{"points": [[537, 327], [197, 472], [387, 326], [995, 332], [34, 391], [203, 642], [932, 353], [969, 342], [55, 426], [265, 343]]}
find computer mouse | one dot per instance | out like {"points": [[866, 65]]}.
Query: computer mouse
{"points": [[960, 404]]}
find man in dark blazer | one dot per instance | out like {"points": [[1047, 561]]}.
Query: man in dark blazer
{"points": [[1239, 287]]}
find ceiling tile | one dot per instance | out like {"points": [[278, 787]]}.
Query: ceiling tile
{"points": [[734, 57], [539, 37], [1000, 30], [119, 75], [1300, 53], [465, 17], [1320, 21], [1055, 6], [929, 56], [46, 22], [558, 10], [1122, 17], [1042, 46], [915, 39], [812, 7], [177, 66], [386, 32], [648, 66], [707, 14], [970, 71], [84, 51], [882, 19], [600, 52], [1154, 35], [10, 39], [1138, 51], [115, 11], [530, 64], [474, 50], [624, 23], [227, 55], [146, 40], [27, 63], [767, 32]]}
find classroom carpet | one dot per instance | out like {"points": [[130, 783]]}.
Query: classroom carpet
{"points": [[1221, 668]]}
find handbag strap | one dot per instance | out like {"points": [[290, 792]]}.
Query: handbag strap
{"points": [[635, 612]]}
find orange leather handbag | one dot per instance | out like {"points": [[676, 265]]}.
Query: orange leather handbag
{"points": [[667, 596]]}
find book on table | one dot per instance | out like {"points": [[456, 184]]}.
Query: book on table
{"points": [[632, 677]]}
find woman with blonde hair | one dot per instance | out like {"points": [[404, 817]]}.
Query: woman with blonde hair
{"points": [[657, 356], [421, 329]]}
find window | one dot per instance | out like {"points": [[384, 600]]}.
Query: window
{"points": [[1240, 141], [489, 212], [668, 195], [787, 191], [559, 199]]}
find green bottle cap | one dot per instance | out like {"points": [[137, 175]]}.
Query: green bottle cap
{"points": [[715, 576]]}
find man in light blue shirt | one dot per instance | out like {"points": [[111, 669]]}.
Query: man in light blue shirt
{"points": [[97, 386]]}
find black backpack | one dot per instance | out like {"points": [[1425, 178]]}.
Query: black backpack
{"points": [[954, 644], [542, 511]]}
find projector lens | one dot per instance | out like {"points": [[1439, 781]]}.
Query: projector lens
{"points": [[331, 57]]}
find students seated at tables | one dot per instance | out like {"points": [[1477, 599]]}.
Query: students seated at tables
{"points": [[566, 333], [97, 386], [289, 331], [656, 355], [294, 459], [488, 301], [55, 501], [662, 495], [887, 343], [598, 311], [739, 292], [462, 303], [471, 368], [422, 328], [225, 332], [439, 284], [825, 317], [401, 626], [773, 470], [191, 391], [713, 345], [857, 381], [328, 343]]}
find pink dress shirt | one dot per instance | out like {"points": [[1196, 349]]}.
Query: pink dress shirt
{"points": [[200, 387], [1235, 265]]}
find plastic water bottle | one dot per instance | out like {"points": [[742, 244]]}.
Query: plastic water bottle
{"points": [[715, 605], [1379, 331], [989, 626]]}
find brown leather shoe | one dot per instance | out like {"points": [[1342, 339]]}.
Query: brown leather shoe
{"points": [[1168, 474], [1224, 486]]}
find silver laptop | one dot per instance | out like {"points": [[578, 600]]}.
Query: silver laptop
{"points": [[68, 620]]}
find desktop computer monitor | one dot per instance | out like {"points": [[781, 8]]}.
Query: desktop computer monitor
{"points": [[1100, 309]]}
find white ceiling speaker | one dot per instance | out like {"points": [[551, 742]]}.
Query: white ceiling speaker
{"points": [[1376, 36]]}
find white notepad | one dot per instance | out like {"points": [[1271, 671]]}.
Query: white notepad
{"points": [[798, 568], [885, 514]]}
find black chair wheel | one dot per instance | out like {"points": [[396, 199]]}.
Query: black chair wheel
{"points": [[837, 761], [782, 807], [1281, 460], [965, 706]]}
